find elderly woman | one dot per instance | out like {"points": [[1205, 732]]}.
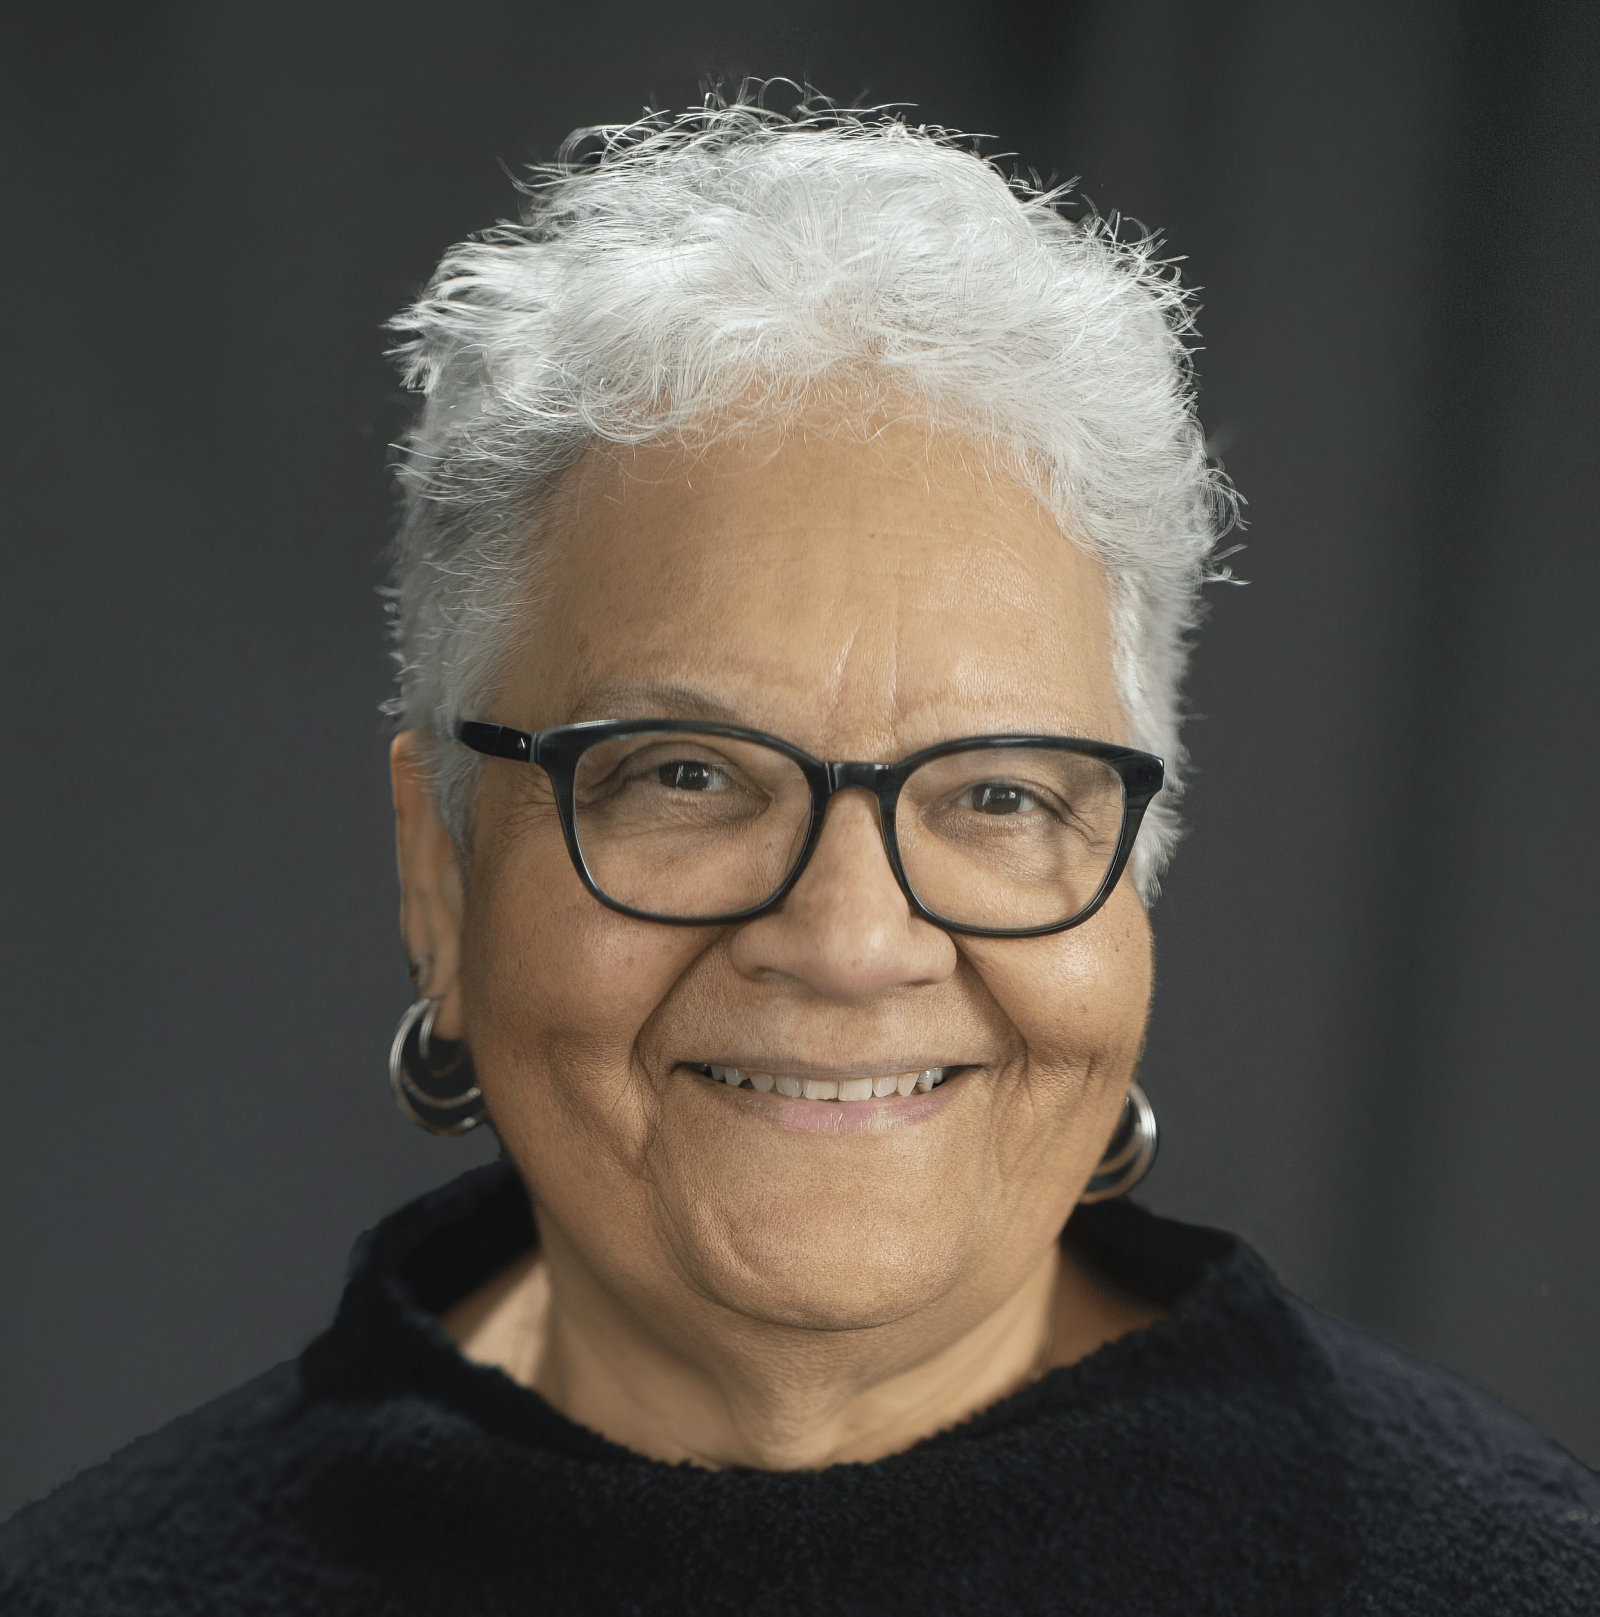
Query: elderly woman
{"points": [[803, 528]]}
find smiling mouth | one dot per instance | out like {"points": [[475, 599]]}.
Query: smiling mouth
{"points": [[839, 1090]]}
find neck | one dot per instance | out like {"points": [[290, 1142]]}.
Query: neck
{"points": [[719, 1390]]}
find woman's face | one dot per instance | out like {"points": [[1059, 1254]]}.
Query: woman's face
{"points": [[862, 600]]}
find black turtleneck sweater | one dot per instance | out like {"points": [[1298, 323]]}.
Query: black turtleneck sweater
{"points": [[1248, 1455]]}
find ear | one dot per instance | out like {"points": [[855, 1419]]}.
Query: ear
{"points": [[431, 889]]}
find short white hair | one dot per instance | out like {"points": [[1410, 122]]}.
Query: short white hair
{"points": [[665, 269]]}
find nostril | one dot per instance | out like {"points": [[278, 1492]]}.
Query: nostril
{"points": [[844, 945]]}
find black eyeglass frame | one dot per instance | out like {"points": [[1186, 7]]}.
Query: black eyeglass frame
{"points": [[557, 751]]}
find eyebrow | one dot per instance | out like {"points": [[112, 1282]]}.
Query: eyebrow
{"points": [[655, 699], [648, 699]]}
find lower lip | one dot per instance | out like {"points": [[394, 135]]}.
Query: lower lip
{"points": [[885, 1116]]}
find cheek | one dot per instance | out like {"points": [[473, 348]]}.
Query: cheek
{"points": [[555, 990], [1079, 1002], [1085, 994]]}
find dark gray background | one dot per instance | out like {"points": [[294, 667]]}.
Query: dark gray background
{"points": [[1372, 1049]]}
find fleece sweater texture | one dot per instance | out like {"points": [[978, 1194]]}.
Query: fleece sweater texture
{"points": [[1248, 1455]]}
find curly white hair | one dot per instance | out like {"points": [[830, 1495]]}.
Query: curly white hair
{"points": [[667, 269]]}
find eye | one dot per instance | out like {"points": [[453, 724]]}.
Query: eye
{"points": [[1000, 797], [690, 775]]}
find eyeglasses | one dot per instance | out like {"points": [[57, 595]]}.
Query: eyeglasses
{"points": [[696, 824]]}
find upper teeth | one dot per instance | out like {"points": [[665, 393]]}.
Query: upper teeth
{"points": [[902, 1083]]}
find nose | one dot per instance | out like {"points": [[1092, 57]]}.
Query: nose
{"points": [[846, 931]]}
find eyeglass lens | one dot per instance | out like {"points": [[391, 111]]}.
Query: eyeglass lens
{"points": [[1001, 837]]}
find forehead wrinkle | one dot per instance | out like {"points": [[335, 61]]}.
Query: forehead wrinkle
{"points": [[896, 671], [649, 699], [885, 681]]}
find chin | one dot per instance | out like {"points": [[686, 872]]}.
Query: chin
{"points": [[820, 1266]]}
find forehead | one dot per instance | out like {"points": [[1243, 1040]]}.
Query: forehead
{"points": [[886, 591]]}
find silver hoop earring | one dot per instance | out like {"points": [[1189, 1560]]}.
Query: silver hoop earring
{"points": [[1130, 1153], [443, 1099]]}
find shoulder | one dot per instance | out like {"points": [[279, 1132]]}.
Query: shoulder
{"points": [[246, 1504], [1440, 1476], [184, 1507], [1300, 1436], [1429, 1495], [1405, 1413]]}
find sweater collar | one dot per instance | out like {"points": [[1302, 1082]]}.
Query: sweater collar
{"points": [[386, 1342]]}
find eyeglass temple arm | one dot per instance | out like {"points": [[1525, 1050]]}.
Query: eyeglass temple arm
{"points": [[495, 740]]}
